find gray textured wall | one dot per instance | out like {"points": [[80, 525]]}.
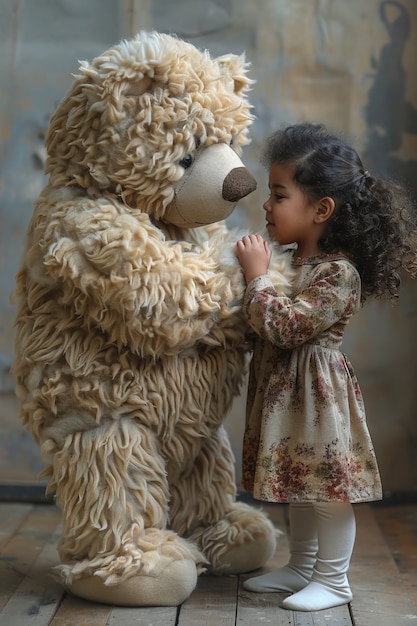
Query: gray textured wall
{"points": [[349, 64]]}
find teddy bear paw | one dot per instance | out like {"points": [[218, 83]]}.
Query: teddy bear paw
{"points": [[171, 587]]}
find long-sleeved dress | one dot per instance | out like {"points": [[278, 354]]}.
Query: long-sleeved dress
{"points": [[306, 437]]}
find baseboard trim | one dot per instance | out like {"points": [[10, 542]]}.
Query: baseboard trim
{"points": [[36, 493], [25, 492]]}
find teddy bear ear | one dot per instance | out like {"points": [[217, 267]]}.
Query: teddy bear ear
{"points": [[139, 87], [235, 68]]}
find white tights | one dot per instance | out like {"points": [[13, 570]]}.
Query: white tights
{"points": [[322, 535]]}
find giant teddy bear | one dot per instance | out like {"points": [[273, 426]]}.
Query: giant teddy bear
{"points": [[130, 344]]}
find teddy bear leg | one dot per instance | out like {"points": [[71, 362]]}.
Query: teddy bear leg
{"points": [[234, 537], [115, 545], [170, 588]]}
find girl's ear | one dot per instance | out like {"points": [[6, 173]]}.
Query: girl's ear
{"points": [[324, 210]]}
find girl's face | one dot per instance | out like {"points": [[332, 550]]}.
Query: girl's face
{"points": [[290, 215]]}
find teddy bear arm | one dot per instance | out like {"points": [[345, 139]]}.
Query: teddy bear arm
{"points": [[158, 297]]}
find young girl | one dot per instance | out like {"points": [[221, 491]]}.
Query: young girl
{"points": [[306, 439]]}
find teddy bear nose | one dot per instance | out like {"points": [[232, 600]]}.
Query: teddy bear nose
{"points": [[238, 184]]}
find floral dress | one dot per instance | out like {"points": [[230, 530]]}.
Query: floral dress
{"points": [[306, 438]]}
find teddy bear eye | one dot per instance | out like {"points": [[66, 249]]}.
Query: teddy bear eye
{"points": [[187, 161]]}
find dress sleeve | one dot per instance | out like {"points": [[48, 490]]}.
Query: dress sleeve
{"points": [[332, 294]]}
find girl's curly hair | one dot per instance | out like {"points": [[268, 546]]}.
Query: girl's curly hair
{"points": [[374, 222]]}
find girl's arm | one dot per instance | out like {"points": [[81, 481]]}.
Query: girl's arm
{"points": [[288, 323]]}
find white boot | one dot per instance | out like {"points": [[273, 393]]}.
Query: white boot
{"points": [[329, 585], [303, 551]]}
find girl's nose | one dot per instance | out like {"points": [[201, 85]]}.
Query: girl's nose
{"points": [[266, 206]]}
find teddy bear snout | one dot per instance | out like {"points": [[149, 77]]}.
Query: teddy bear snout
{"points": [[238, 184]]}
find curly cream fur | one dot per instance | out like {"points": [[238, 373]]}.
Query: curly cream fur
{"points": [[130, 342]]}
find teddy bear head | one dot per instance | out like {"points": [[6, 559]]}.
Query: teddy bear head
{"points": [[158, 124]]}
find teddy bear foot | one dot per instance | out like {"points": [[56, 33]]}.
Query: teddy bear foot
{"points": [[241, 542], [240, 559], [170, 588]]}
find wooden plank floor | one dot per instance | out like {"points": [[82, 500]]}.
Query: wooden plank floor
{"points": [[383, 577]]}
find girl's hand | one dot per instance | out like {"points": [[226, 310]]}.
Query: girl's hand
{"points": [[254, 255]]}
